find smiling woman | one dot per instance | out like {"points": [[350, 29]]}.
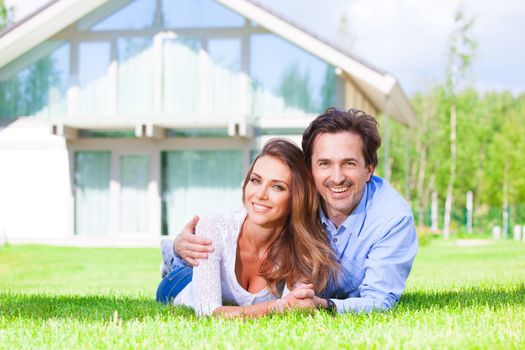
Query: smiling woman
{"points": [[270, 256]]}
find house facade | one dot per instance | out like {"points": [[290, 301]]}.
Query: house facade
{"points": [[120, 120]]}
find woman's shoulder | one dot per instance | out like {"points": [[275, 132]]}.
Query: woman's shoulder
{"points": [[221, 223]]}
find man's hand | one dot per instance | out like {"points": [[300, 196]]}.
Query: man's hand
{"points": [[190, 247], [302, 297]]}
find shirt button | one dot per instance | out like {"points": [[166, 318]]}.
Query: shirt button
{"points": [[335, 240]]}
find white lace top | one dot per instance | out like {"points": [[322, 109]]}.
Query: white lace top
{"points": [[214, 281]]}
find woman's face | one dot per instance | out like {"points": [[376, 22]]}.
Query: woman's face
{"points": [[267, 193]]}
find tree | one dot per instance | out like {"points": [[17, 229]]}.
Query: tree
{"points": [[295, 89], [5, 14], [460, 54]]}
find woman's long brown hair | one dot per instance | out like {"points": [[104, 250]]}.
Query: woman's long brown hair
{"points": [[301, 253]]}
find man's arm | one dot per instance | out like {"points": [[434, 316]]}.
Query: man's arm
{"points": [[386, 270], [188, 247]]}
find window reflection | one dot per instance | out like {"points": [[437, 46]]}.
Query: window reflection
{"points": [[137, 14], [198, 13], [286, 79], [224, 76], [93, 63], [36, 83], [136, 75], [181, 75]]}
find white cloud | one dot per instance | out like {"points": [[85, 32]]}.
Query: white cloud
{"points": [[409, 39]]}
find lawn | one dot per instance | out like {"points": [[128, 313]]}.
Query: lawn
{"points": [[457, 297]]}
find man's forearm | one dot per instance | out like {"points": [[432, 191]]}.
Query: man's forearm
{"points": [[364, 304]]}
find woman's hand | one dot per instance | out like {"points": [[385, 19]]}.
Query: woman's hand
{"points": [[190, 247], [302, 297]]}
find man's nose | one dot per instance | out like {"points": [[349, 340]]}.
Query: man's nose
{"points": [[338, 177]]}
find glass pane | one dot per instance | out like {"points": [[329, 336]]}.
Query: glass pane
{"points": [[292, 81], [92, 176], [224, 77], [134, 179], [198, 13], [198, 182], [138, 14], [181, 75], [136, 75], [94, 60], [36, 83]]}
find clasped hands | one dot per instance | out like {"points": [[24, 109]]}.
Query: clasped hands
{"points": [[302, 297]]}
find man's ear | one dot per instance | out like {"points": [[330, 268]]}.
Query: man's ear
{"points": [[370, 169]]}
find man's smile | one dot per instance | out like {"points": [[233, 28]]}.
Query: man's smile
{"points": [[338, 189]]}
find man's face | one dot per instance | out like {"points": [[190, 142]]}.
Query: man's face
{"points": [[340, 173]]}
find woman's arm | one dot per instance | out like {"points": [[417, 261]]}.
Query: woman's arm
{"points": [[300, 298]]}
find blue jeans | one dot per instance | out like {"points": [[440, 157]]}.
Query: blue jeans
{"points": [[174, 283]]}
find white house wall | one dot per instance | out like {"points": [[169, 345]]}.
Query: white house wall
{"points": [[35, 188]]}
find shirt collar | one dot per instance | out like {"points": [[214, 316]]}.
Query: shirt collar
{"points": [[353, 222]]}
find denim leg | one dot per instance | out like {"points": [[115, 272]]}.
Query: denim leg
{"points": [[174, 283]]}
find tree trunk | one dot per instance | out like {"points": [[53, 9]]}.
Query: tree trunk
{"points": [[452, 175], [505, 202]]}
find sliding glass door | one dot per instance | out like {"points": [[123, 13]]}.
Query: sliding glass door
{"points": [[92, 199], [199, 182], [133, 201]]}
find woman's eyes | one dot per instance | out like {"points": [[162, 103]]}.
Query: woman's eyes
{"points": [[278, 187], [254, 180]]}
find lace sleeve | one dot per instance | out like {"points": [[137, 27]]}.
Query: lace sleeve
{"points": [[206, 279]]}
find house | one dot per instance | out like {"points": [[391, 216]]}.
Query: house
{"points": [[120, 119]]}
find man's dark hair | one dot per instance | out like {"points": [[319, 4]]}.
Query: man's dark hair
{"points": [[335, 121]]}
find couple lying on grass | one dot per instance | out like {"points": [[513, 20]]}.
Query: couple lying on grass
{"points": [[317, 230]]}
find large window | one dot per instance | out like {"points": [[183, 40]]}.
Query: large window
{"points": [[198, 13], [93, 80], [136, 14], [36, 83], [286, 79], [224, 76], [199, 182], [158, 59], [134, 181], [92, 207], [136, 80], [181, 84]]}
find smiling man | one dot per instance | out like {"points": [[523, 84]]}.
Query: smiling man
{"points": [[369, 224]]}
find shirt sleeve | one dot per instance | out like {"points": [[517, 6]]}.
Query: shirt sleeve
{"points": [[386, 269], [206, 281]]}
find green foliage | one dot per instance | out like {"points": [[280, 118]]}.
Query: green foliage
{"points": [[295, 88], [5, 14], [490, 137], [69, 298]]}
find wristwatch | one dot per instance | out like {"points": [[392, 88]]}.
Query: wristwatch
{"points": [[330, 306]]}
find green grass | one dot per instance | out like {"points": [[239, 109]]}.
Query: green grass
{"points": [[70, 298]]}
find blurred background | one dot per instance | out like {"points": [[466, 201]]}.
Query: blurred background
{"points": [[112, 159]]}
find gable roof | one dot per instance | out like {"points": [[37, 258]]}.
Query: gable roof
{"points": [[381, 88]]}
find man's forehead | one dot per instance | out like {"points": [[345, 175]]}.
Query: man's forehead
{"points": [[331, 144]]}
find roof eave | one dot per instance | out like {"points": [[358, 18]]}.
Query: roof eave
{"points": [[384, 86], [41, 26]]}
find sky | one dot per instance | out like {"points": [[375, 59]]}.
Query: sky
{"points": [[408, 38]]}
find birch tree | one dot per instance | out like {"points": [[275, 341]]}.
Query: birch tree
{"points": [[460, 53]]}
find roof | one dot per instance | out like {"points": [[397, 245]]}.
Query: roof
{"points": [[381, 88]]}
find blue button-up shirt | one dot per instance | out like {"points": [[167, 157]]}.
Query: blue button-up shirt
{"points": [[375, 246]]}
